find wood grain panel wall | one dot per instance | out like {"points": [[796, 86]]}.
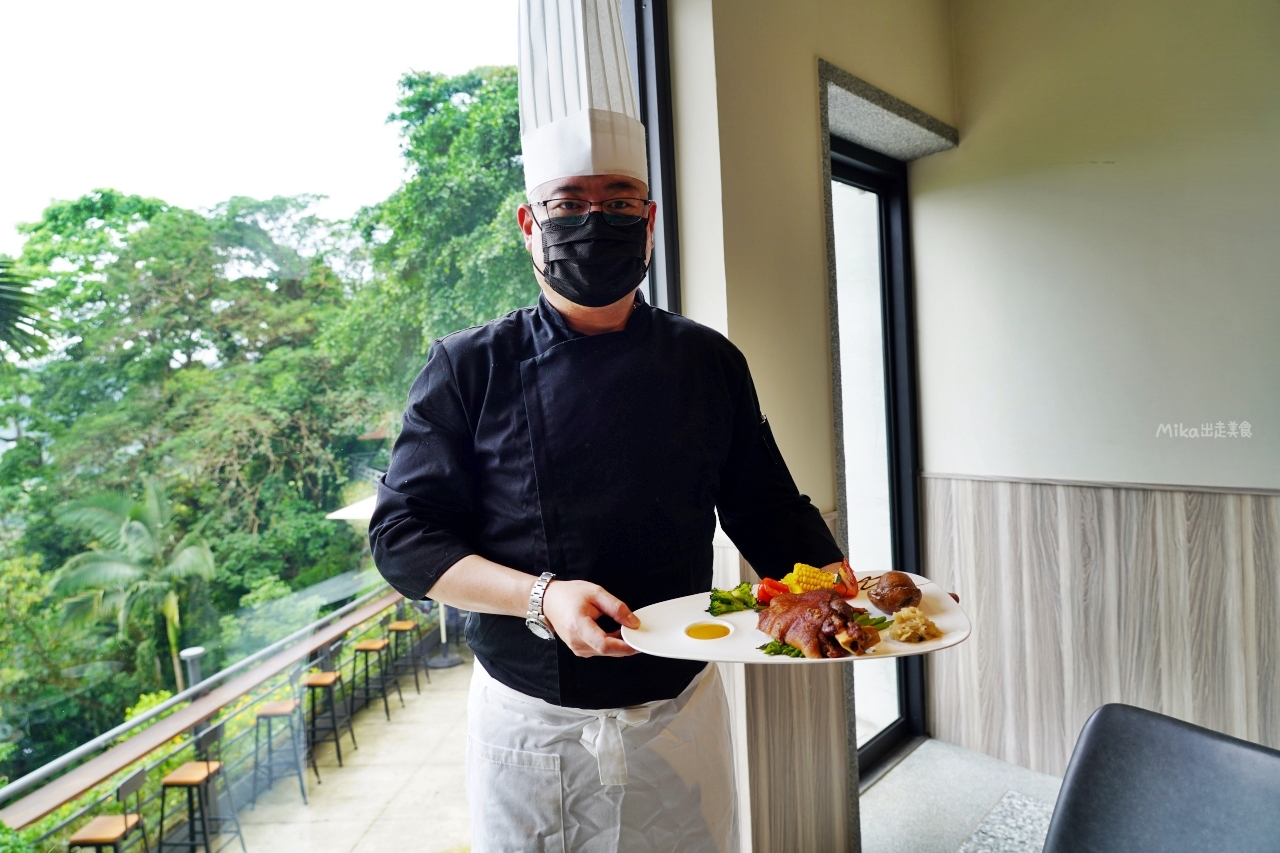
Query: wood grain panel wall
{"points": [[791, 736], [798, 758], [1083, 595]]}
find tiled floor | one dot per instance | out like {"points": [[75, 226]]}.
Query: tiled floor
{"points": [[401, 790], [936, 796]]}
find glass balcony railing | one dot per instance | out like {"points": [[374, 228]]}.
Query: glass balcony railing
{"points": [[50, 805]]}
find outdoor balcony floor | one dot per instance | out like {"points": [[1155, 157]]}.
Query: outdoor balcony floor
{"points": [[401, 790]]}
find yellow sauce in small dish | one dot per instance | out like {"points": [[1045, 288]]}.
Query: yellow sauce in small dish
{"points": [[707, 630]]}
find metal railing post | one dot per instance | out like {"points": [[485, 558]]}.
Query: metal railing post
{"points": [[191, 657]]}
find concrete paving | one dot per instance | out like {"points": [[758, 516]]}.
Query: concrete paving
{"points": [[401, 790], [933, 799]]}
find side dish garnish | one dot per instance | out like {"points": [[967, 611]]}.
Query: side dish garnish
{"points": [[849, 579], [767, 589], [910, 625], [732, 600], [866, 620], [805, 578], [777, 647]]}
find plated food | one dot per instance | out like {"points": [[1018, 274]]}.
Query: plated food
{"points": [[910, 625], [807, 616], [894, 591], [819, 624]]}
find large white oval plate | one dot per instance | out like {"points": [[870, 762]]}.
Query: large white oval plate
{"points": [[662, 630]]}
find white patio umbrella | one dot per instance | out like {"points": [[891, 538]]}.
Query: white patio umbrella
{"points": [[358, 511], [363, 511]]}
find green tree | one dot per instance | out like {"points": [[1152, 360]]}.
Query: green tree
{"points": [[446, 251], [23, 325], [59, 683], [140, 561], [192, 350]]}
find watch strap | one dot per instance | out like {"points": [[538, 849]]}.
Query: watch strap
{"points": [[534, 617]]}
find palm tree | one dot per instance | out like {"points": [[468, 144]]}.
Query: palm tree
{"points": [[23, 325], [136, 563]]}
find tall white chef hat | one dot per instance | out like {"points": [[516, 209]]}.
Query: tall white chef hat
{"points": [[578, 111]]}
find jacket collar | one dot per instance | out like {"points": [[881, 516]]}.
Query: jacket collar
{"points": [[639, 319]]}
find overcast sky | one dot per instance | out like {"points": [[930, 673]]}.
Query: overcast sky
{"points": [[194, 102]]}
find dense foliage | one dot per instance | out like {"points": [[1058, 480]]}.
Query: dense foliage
{"points": [[171, 455], [445, 250]]}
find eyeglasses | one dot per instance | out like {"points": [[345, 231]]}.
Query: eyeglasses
{"points": [[569, 212]]}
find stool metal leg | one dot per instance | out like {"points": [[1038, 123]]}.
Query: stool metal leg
{"points": [[231, 809], [332, 693], [191, 820], [418, 654], [256, 766], [398, 656], [297, 761], [382, 683], [346, 693], [163, 792], [350, 694], [395, 679], [204, 816]]}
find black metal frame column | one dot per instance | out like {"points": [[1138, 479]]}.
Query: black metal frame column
{"points": [[647, 33]]}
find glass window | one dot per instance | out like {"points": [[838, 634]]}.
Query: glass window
{"points": [[856, 215]]}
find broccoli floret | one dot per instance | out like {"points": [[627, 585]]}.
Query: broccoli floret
{"points": [[732, 600]]}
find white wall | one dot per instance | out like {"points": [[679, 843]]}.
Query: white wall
{"points": [[1102, 252], [750, 182]]}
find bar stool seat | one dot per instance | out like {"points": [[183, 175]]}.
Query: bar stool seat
{"points": [[191, 773], [207, 816], [323, 687], [104, 829], [290, 761], [280, 708], [371, 687], [321, 679], [113, 830], [406, 660]]}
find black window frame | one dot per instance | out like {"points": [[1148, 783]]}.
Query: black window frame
{"points": [[645, 30], [869, 170]]}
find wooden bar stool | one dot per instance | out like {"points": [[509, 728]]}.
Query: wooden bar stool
{"points": [[199, 779], [386, 674], [114, 830], [290, 763], [323, 687], [407, 627]]}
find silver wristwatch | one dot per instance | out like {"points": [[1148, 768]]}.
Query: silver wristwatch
{"points": [[534, 618]]}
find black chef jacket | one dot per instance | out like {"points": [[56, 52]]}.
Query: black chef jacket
{"points": [[596, 457]]}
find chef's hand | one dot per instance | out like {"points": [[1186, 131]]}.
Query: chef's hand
{"points": [[572, 608]]}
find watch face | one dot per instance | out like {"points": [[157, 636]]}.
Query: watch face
{"points": [[539, 630]]}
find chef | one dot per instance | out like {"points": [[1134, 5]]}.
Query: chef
{"points": [[564, 464]]}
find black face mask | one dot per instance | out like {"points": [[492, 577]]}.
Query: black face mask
{"points": [[595, 264]]}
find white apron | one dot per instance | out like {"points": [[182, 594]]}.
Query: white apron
{"points": [[655, 778]]}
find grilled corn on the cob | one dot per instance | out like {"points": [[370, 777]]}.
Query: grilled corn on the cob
{"points": [[807, 578]]}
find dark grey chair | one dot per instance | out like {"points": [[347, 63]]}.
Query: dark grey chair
{"points": [[1140, 782]]}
